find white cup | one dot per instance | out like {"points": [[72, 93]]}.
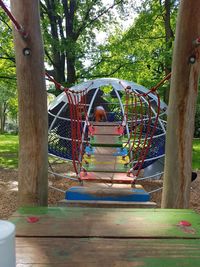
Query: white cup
{"points": [[7, 244]]}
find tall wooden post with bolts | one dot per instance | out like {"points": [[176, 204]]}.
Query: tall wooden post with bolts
{"points": [[32, 98], [181, 110]]}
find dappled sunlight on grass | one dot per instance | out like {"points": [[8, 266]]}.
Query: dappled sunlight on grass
{"points": [[196, 154], [9, 145], [8, 163]]}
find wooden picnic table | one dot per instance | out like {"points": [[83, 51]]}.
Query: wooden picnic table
{"points": [[72, 236]]}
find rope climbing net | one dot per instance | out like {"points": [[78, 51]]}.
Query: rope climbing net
{"points": [[78, 123], [143, 119], [70, 125], [140, 120]]}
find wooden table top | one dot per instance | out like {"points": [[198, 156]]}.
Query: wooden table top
{"points": [[107, 237]]}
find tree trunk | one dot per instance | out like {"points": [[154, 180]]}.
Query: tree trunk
{"points": [[59, 66], [71, 71], [71, 36], [1, 119], [58, 57], [32, 98], [181, 111]]}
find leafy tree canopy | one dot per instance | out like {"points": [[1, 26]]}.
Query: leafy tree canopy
{"points": [[71, 30], [144, 52]]}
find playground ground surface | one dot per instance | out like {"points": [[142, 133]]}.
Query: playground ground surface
{"points": [[9, 191], [9, 179]]}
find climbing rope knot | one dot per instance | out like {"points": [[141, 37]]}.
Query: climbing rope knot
{"points": [[18, 27], [197, 41]]}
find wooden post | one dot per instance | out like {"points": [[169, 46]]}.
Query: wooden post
{"points": [[181, 111], [32, 98]]}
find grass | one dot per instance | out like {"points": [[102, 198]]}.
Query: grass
{"points": [[196, 154], [9, 145], [9, 152]]}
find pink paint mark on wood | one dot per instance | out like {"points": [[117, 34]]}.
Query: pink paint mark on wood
{"points": [[185, 226], [184, 223], [119, 130], [91, 130], [32, 219]]}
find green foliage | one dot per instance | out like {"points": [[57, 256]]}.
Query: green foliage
{"points": [[140, 54], [71, 31], [8, 102], [196, 154], [7, 61], [13, 107], [197, 122], [9, 151]]}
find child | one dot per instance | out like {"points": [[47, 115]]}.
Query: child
{"points": [[99, 114]]}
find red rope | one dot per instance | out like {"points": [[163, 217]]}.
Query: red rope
{"points": [[73, 130], [147, 140], [76, 102], [57, 84], [150, 139], [76, 127], [154, 88], [133, 118], [18, 27], [136, 116], [197, 41], [141, 125], [78, 119], [84, 110], [126, 106], [141, 153]]}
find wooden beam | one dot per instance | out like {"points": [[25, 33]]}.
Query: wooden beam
{"points": [[106, 204], [97, 252], [181, 111], [106, 222], [32, 100]]}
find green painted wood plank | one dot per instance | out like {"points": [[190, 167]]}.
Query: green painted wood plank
{"points": [[62, 211], [92, 167], [105, 204], [106, 141], [106, 252], [107, 222], [105, 123]]}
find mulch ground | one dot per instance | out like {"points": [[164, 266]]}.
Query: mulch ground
{"points": [[9, 191]]}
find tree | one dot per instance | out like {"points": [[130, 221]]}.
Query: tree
{"points": [[7, 69], [7, 102], [70, 29], [7, 58], [169, 37], [143, 52], [182, 102], [32, 98]]}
